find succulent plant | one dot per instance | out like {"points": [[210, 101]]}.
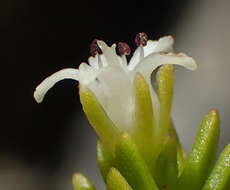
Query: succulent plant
{"points": [[138, 146]]}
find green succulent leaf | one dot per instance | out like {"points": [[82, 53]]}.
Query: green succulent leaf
{"points": [[219, 178], [80, 182], [115, 181], [144, 121], [164, 82], [181, 159], [105, 159], [166, 169], [98, 119], [203, 152], [181, 155], [131, 164]]}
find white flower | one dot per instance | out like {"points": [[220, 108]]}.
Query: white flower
{"points": [[111, 78]]}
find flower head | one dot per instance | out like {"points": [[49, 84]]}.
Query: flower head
{"points": [[113, 81], [138, 146]]}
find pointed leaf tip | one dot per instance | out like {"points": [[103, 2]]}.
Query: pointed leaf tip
{"points": [[105, 159], [219, 178], [115, 181], [98, 118], [199, 161], [80, 182]]}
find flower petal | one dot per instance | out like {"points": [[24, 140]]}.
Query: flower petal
{"points": [[151, 62], [164, 44], [93, 61], [138, 55], [87, 74], [50, 81], [115, 92], [109, 53]]}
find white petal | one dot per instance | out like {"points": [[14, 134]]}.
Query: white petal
{"points": [[123, 62], [50, 81], [155, 101], [164, 44], [150, 47], [87, 74], [93, 61], [103, 61], [151, 62], [138, 55], [84, 67], [115, 93], [109, 53]]}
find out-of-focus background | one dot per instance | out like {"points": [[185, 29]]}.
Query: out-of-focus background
{"points": [[42, 145]]}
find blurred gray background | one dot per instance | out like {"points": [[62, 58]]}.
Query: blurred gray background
{"points": [[41, 146]]}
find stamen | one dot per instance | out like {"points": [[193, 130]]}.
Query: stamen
{"points": [[123, 48], [94, 48], [141, 39]]}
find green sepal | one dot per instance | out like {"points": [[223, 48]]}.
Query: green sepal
{"points": [[166, 169], [115, 181], [80, 182], [199, 161], [132, 166], [97, 117], [219, 178], [144, 122], [105, 159]]}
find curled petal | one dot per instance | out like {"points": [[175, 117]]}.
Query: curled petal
{"points": [[50, 81], [151, 62]]}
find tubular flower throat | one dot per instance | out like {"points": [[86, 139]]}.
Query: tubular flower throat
{"points": [[116, 83]]}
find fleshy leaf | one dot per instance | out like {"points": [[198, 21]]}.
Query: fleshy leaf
{"points": [[144, 129], [181, 159], [105, 159], [181, 155], [80, 182], [115, 181], [165, 82], [131, 165], [166, 170], [97, 117], [219, 178], [203, 152]]}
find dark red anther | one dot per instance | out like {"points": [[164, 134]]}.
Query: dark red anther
{"points": [[94, 48], [141, 39], [123, 48]]}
